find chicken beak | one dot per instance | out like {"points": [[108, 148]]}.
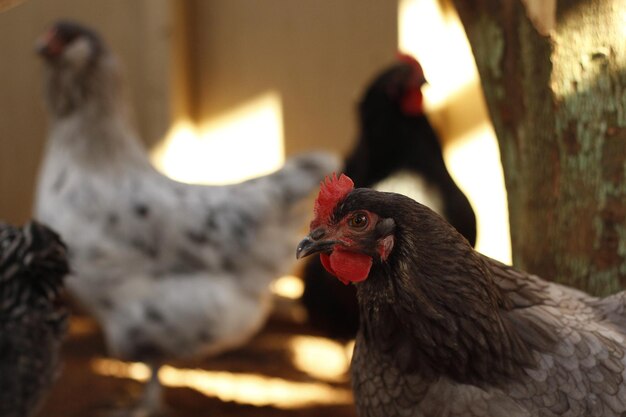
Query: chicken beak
{"points": [[309, 246]]}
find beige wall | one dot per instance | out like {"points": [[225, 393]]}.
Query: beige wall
{"points": [[200, 57], [317, 53]]}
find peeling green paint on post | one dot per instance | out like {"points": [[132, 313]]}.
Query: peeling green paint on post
{"points": [[601, 283], [492, 36], [585, 81], [621, 97]]}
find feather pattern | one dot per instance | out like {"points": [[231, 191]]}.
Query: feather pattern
{"points": [[579, 366], [32, 319]]}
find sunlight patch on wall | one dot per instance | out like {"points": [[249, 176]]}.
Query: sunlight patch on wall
{"points": [[474, 162], [240, 144], [437, 39], [439, 43], [255, 389], [321, 358]]}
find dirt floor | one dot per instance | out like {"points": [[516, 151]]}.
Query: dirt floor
{"points": [[263, 373]]}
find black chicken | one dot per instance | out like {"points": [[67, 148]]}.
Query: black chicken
{"points": [[446, 331], [32, 320], [398, 150]]}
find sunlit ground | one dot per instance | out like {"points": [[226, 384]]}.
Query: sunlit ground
{"points": [[473, 158], [324, 360], [321, 358], [286, 370]]}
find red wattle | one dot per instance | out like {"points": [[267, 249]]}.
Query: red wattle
{"points": [[412, 102], [347, 266], [325, 258]]}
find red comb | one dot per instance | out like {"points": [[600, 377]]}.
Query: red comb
{"points": [[411, 60], [406, 58], [412, 101], [332, 190]]}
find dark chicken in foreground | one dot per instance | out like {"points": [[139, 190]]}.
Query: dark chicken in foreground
{"points": [[446, 331], [32, 322], [397, 150]]}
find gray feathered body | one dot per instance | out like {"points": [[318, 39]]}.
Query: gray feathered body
{"points": [[580, 373], [32, 318], [169, 269]]}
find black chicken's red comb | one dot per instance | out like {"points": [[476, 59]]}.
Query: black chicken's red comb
{"points": [[332, 190], [407, 59], [411, 60]]}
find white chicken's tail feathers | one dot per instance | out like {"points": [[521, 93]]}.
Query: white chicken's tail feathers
{"points": [[282, 207], [301, 175]]}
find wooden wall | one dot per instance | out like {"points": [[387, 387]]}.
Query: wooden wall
{"points": [[317, 54]]}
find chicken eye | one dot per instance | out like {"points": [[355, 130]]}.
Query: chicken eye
{"points": [[358, 221]]}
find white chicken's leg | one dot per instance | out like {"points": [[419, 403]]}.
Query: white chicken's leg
{"points": [[151, 403]]}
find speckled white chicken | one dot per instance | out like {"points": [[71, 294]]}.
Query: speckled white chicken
{"points": [[169, 269]]}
